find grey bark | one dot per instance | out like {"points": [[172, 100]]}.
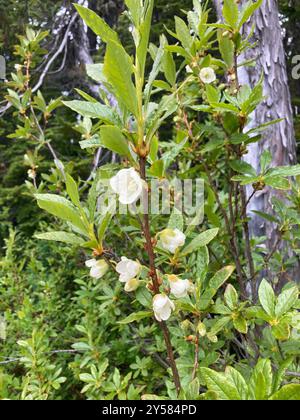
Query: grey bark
{"points": [[83, 58], [279, 138]]}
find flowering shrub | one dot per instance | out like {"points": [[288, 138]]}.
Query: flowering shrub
{"points": [[192, 291]]}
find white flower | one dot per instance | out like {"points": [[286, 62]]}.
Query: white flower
{"points": [[171, 239], [98, 268], [162, 307], [131, 285], [128, 269], [188, 69], [207, 75], [128, 185], [179, 288]]}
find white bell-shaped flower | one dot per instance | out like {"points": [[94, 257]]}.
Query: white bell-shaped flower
{"points": [[207, 75], [131, 285], [98, 267], [179, 288], [162, 307], [128, 269], [172, 239], [128, 185]]}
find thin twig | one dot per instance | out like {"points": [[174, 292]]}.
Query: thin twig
{"points": [[155, 282]]}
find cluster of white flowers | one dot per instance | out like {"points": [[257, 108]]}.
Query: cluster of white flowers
{"points": [[129, 187], [163, 305]]}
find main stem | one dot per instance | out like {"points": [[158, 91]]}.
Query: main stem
{"points": [[244, 202], [155, 282]]}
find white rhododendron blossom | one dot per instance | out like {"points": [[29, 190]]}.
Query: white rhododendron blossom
{"points": [[162, 307], [207, 75], [172, 239], [128, 269], [98, 268], [179, 288], [128, 185], [131, 285]]}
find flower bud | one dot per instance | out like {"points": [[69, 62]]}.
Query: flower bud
{"points": [[172, 239], [98, 267], [131, 285], [179, 288]]}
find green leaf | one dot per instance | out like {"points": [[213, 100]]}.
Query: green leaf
{"points": [[290, 392], [155, 68], [144, 31], [286, 300], [95, 72], [247, 11], [153, 397], [240, 324], [176, 220], [231, 12], [226, 48], [214, 284], [280, 373], [243, 167], [282, 330], [260, 384], [169, 156], [85, 96], [265, 160], [218, 384], [169, 67], [284, 171], [192, 392], [96, 24], [143, 296], [136, 316], [72, 190], [277, 182], [231, 297], [103, 225], [92, 110], [257, 312], [94, 141], [157, 169], [219, 325], [238, 382], [213, 95], [118, 69], [201, 240], [266, 216], [267, 297], [183, 34], [111, 138], [221, 276], [59, 236], [62, 208]]}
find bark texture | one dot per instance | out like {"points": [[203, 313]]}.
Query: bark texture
{"points": [[279, 138]]}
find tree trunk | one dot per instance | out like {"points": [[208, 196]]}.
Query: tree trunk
{"points": [[279, 138]]}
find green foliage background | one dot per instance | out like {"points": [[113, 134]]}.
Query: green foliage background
{"points": [[54, 312]]}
